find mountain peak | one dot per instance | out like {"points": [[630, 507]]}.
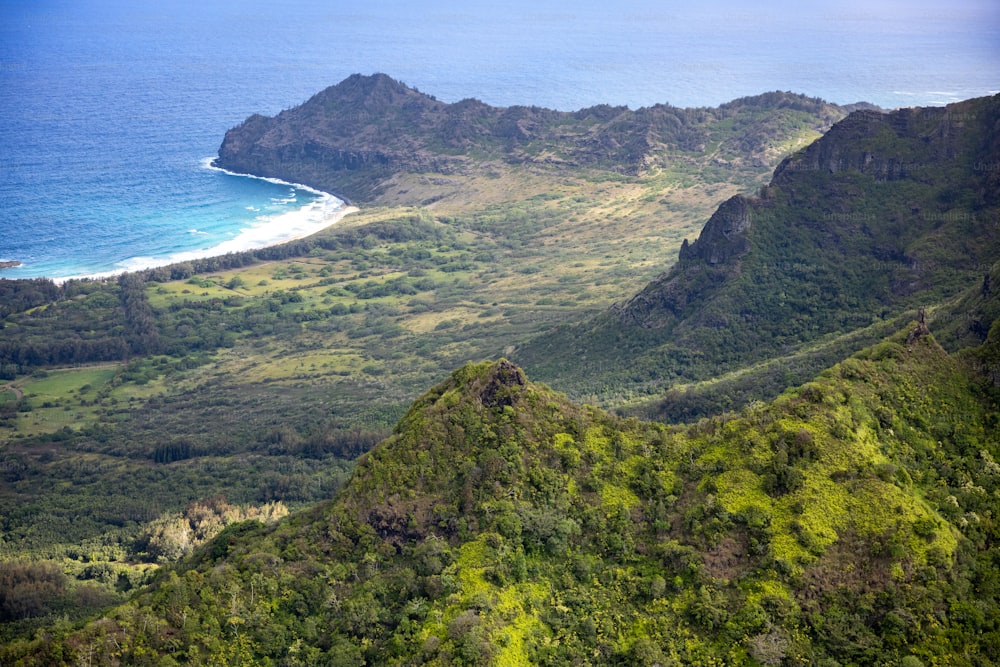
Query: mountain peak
{"points": [[378, 87], [466, 439], [354, 137], [504, 385], [376, 79]]}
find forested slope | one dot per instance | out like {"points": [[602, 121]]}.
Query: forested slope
{"points": [[883, 214], [849, 522]]}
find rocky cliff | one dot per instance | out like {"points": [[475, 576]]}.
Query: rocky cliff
{"points": [[350, 138], [901, 197], [868, 142], [884, 213], [724, 235]]}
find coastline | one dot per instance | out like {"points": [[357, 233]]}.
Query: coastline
{"points": [[325, 211], [209, 163]]}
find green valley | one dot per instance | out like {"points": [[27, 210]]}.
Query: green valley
{"points": [[263, 375], [777, 449]]}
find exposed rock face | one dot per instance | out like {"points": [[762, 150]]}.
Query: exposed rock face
{"points": [[350, 138], [724, 236], [502, 388], [867, 142], [707, 263]]}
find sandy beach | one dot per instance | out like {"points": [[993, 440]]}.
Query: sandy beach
{"points": [[264, 231], [291, 226]]}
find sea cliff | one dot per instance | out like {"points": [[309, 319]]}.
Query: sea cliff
{"points": [[352, 138]]}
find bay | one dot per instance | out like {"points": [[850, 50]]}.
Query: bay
{"points": [[109, 110]]}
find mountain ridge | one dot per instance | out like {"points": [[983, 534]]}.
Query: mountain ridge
{"points": [[351, 138], [851, 520], [727, 234], [883, 213], [501, 524]]}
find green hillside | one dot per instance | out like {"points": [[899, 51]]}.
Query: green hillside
{"points": [[849, 522], [791, 456], [263, 375], [883, 214]]}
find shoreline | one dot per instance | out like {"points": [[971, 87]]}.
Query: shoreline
{"points": [[330, 209], [209, 163]]}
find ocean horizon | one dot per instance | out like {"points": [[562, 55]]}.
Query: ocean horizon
{"points": [[108, 110]]}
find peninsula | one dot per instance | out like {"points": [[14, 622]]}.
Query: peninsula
{"points": [[367, 139]]}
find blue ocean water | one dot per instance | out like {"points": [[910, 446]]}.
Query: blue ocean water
{"points": [[109, 110]]}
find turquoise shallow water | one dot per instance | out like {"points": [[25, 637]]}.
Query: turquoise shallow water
{"points": [[109, 111]]}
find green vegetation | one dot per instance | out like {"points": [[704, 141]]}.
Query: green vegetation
{"points": [[884, 214], [847, 523], [156, 429], [263, 375]]}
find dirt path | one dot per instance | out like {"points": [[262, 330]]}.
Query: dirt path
{"points": [[15, 390]]}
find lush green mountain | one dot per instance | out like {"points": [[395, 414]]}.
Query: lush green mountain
{"points": [[884, 213], [355, 137], [850, 522]]}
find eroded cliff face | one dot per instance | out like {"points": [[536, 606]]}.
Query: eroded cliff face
{"points": [[702, 266], [872, 143], [724, 236]]}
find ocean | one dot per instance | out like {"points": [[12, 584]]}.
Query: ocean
{"points": [[110, 111]]}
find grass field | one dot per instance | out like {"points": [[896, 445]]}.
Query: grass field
{"points": [[60, 398]]}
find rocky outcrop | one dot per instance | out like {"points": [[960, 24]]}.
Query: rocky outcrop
{"points": [[503, 385], [351, 138], [702, 267], [724, 236]]}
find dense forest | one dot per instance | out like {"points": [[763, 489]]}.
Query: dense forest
{"points": [[850, 522]]}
